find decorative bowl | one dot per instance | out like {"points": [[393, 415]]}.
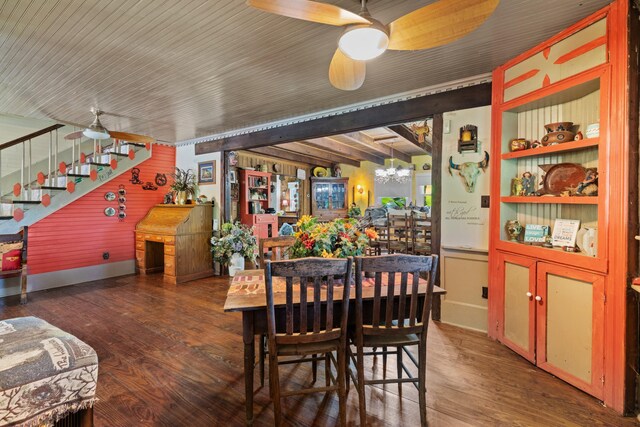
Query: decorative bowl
{"points": [[518, 144], [554, 138], [558, 127]]}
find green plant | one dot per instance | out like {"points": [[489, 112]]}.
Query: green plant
{"points": [[184, 180], [340, 238], [354, 211], [234, 238]]}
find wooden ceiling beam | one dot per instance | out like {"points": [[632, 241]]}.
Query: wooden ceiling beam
{"points": [[370, 143], [353, 121], [318, 153], [405, 133], [345, 149], [290, 155]]}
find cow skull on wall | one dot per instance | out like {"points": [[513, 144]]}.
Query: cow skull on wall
{"points": [[469, 171]]}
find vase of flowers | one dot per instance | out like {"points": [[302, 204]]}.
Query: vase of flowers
{"points": [[339, 238], [236, 242], [184, 185]]}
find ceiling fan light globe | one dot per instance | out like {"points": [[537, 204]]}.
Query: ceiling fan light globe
{"points": [[364, 42], [96, 133]]}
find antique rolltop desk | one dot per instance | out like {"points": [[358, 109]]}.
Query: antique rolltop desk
{"points": [[175, 239]]}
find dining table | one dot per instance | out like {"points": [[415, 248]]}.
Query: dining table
{"points": [[247, 295]]}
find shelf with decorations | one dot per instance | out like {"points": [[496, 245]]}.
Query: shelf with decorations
{"points": [[561, 177], [254, 202]]}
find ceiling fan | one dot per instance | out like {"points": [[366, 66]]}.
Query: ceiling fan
{"points": [[365, 38], [97, 131]]}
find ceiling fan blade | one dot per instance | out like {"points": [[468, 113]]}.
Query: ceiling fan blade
{"points": [[346, 73], [131, 137], [74, 135], [438, 23], [309, 11]]}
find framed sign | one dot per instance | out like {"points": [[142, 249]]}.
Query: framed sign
{"points": [[565, 232], [207, 172], [535, 233]]}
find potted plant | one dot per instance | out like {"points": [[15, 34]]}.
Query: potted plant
{"points": [[236, 242], [184, 185]]}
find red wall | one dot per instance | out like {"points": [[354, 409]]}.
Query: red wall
{"points": [[78, 234]]}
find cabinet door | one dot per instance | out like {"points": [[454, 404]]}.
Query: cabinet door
{"points": [[338, 192], [518, 279], [321, 196], [570, 315]]}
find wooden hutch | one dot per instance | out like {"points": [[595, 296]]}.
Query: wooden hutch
{"points": [[329, 198], [255, 195], [565, 312]]}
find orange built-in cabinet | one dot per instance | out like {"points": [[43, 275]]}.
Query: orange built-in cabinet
{"points": [[255, 195], [563, 311]]}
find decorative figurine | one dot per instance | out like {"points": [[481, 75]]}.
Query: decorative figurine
{"points": [[516, 186], [547, 241], [168, 198], [513, 229], [337, 171], [536, 144], [589, 187], [578, 137], [528, 184]]}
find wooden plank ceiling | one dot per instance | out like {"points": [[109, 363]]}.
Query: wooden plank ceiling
{"points": [[182, 69], [374, 145]]}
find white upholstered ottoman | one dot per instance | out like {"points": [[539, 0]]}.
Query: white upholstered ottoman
{"points": [[46, 374]]}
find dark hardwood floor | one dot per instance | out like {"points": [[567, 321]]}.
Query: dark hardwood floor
{"points": [[169, 356]]}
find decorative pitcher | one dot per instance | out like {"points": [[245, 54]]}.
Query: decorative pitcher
{"points": [[513, 229]]}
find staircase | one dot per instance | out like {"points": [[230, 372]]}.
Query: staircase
{"points": [[43, 172]]}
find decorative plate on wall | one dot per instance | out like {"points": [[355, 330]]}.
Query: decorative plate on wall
{"points": [[109, 211], [110, 196]]}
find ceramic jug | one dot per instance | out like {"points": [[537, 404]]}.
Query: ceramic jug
{"points": [[587, 240]]}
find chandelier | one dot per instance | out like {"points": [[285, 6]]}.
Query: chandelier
{"points": [[393, 174]]}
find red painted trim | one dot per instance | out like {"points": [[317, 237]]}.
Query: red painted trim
{"points": [[93, 175], [114, 164], [46, 200], [83, 158], [581, 50], [41, 178], [132, 154], [546, 81], [62, 167], [18, 214], [546, 51], [71, 186], [602, 13], [17, 188], [521, 78]]}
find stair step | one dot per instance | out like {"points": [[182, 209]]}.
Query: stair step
{"points": [[51, 187], [136, 144], [78, 175], [5, 217], [119, 154], [26, 202], [99, 164]]}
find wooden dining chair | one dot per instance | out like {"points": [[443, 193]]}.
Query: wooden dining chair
{"points": [[398, 233], [420, 232], [274, 249], [311, 328], [375, 246], [398, 320]]}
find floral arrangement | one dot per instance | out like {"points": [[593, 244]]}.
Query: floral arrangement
{"points": [[234, 238], [340, 238]]}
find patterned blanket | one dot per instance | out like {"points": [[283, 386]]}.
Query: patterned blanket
{"points": [[45, 373]]}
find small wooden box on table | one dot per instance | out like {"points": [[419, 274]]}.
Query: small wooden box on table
{"points": [[175, 239]]}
